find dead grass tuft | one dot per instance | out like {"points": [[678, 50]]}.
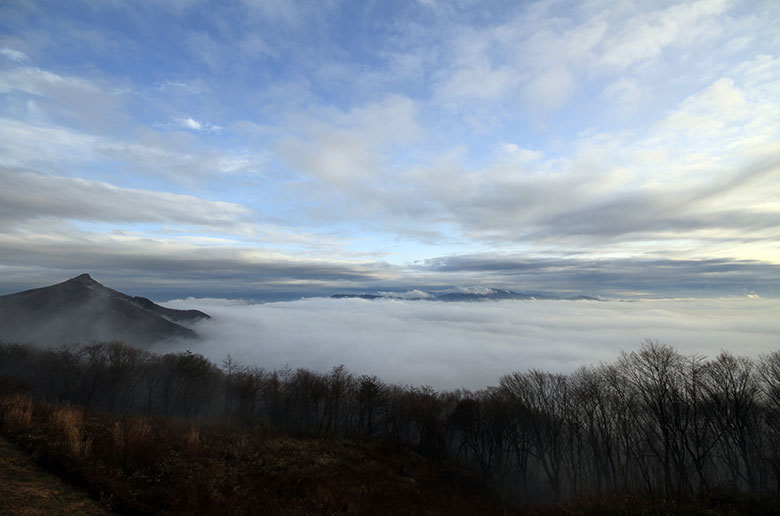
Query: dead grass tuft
{"points": [[193, 439], [69, 422], [17, 413]]}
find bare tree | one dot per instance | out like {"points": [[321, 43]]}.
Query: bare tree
{"points": [[546, 400], [734, 391], [655, 372]]}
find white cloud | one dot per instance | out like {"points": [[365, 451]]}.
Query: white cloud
{"points": [[551, 89], [191, 123], [635, 190], [343, 149], [520, 154], [646, 35], [53, 148], [235, 164], [549, 56], [28, 145], [41, 82], [725, 122], [255, 46], [409, 294], [723, 99], [28, 195], [626, 92], [14, 55], [479, 81], [284, 11], [195, 87], [454, 345]]}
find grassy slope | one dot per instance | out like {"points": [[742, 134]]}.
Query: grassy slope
{"points": [[27, 490], [160, 466]]}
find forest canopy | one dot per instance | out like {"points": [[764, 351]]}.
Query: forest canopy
{"points": [[651, 421]]}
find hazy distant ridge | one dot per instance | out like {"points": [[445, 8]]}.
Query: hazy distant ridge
{"points": [[490, 294]]}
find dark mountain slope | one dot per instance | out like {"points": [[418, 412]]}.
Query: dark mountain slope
{"points": [[81, 310]]}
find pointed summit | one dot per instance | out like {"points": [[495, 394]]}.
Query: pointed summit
{"points": [[81, 280]]}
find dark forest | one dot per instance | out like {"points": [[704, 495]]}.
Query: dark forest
{"points": [[654, 421]]}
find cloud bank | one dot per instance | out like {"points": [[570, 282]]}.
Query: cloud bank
{"points": [[471, 345]]}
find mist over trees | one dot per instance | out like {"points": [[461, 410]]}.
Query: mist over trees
{"points": [[652, 421]]}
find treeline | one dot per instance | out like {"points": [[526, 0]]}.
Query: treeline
{"points": [[654, 421]]}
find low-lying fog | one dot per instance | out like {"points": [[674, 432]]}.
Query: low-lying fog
{"points": [[471, 345]]}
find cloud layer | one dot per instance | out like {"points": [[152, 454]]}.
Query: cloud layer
{"points": [[470, 345]]}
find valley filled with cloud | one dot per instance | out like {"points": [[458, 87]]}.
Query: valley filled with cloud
{"points": [[471, 344]]}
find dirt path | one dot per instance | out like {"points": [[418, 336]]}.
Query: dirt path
{"points": [[28, 490]]}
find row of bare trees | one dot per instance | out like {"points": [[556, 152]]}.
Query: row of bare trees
{"points": [[653, 421]]}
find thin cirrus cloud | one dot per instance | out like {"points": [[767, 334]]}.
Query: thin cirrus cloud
{"points": [[14, 55], [645, 36], [50, 147]]}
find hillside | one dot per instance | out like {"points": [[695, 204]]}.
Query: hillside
{"points": [[26, 489], [82, 310], [165, 466], [176, 434]]}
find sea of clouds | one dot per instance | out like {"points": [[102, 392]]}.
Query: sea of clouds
{"points": [[471, 345]]}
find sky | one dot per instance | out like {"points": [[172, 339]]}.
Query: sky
{"points": [[278, 149]]}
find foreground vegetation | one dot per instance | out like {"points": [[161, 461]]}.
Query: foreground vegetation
{"points": [[142, 465], [26, 489], [175, 433]]}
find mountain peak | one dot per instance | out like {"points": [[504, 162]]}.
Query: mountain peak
{"points": [[81, 310], [82, 279]]}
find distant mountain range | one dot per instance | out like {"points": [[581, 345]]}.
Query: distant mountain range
{"points": [[490, 294], [83, 310]]}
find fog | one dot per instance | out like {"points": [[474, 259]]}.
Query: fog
{"points": [[471, 345]]}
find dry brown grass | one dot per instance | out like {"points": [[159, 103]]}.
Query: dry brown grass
{"points": [[193, 440], [140, 432], [28, 490], [130, 435], [118, 437], [69, 421], [16, 412], [159, 466]]}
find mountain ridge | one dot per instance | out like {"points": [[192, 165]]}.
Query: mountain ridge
{"points": [[490, 294], [81, 309]]}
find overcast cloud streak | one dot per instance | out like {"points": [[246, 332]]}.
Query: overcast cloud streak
{"points": [[28, 195]]}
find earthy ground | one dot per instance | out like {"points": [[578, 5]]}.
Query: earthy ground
{"points": [[28, 490]]}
